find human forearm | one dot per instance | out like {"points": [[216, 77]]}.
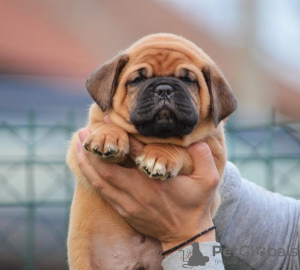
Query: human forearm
{"points": [[259, 228]]}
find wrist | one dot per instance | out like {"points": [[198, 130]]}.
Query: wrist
{"points": [[209, 236]]}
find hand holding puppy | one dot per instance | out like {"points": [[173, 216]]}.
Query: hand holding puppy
{"points": [[170, 211]]}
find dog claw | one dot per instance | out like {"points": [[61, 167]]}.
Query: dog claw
{"points": [[87, 147], [95, 150], [147, 170], [99, 153], [157, 175], [169, 175], [109, 153]]}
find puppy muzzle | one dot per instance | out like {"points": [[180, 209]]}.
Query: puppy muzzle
{"points": [[164, 109]]}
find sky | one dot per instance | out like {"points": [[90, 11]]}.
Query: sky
{"points": [[276, 24], [279, 30]]}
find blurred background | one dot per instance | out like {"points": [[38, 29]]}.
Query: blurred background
{"points": [[49, 48]]}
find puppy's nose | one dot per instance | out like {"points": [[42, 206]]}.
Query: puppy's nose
{"points": [[164, 90]]}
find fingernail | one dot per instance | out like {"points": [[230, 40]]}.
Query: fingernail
{"points": [[79, 148], [202, 148], [198, 146], [82, 134], [107, 119]]}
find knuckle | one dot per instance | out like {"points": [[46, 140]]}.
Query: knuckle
{"points": [[130, 212], [215, 179], [98, 185], [122, 213], [108, 175], [141, 199], [81, 161]]}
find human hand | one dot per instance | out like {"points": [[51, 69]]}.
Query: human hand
{"points": [[171, 211]]}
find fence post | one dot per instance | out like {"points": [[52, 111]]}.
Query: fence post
{"points": [[30, 190], [270, 160], [70, 127]]}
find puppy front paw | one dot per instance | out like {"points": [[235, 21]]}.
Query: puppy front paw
{"points": [[108, 142], [157, 163]]}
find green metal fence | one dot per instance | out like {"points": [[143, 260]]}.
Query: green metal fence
{"points": [[268, 155], [36, 187], [35, 193]]}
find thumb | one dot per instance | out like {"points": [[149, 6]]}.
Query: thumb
{"points": [[204, 164], [83, 133], [136, 147]]}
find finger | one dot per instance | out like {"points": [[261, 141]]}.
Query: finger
{"points": [[83, 133], [135, 147], [120, 177], [121, 202], [117, 186], [204, 164], [118, 199], [107, 191], [88, 171]]}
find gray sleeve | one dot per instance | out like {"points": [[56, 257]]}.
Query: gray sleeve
{"points": [[256, 228], [203, 255]]}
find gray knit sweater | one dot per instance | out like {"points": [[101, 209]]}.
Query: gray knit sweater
{"points": [[256, 229]]}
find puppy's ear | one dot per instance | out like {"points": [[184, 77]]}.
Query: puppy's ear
{"points": [[103, 82], [222, 99]]}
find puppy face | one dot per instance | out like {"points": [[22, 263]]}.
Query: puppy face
{"points": [[163, 105], [163, 85]]}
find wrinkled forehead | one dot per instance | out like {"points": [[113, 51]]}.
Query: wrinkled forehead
{"points": [[161, 61], [164, 58]]}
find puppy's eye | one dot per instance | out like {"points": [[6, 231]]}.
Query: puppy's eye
{"points": [[137, 80], [187, 79]]}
